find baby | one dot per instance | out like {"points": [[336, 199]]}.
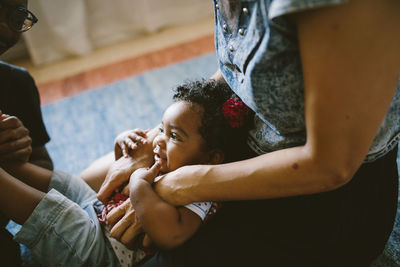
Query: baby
{"points": [[59, 211]]}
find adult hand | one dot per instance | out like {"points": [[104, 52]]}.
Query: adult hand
{"points": [[176, 187], [124, 226], [122, 219], [121, 170], [129, 140], [15, 143], [147, 174]]}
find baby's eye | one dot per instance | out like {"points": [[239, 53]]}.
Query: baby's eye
{"points": [[175, 136]]}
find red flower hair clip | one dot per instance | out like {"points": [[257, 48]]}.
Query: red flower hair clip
{"points": [[235, 112]]}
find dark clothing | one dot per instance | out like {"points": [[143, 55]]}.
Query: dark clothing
{"points": [[345, 227], [9, 250], [19, 97]]}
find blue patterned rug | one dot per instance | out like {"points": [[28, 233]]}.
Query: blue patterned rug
{"points": [[83, 127]]}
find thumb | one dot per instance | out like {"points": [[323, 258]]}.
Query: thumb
{"points": [[155, 169], [105, 192], [152, 173]]}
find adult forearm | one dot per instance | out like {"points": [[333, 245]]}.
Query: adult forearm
{"points": [[288, 172], [17, 199], [41, 157], [30, 174]]}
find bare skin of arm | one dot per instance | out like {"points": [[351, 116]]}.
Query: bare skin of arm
{"points": [[166, 225], [19, 197], [351, 64], [40, 157], [97, 175]]}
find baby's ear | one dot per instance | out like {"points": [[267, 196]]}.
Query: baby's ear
{"points": [[216, 156]]}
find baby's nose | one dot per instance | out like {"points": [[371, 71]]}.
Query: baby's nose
{"points": [[160, 140]]}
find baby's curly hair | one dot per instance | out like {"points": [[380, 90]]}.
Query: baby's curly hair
{"points": [[215, 128]]}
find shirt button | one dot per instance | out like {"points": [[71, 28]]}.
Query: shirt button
{"points": [[245, 10], [216, 6], [224, 27], [241, 31], [231, 48]]}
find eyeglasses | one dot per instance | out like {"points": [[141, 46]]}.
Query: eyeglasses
{"points": [[19, 19]]}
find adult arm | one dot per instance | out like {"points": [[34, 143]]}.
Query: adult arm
{"points": [[351, 64], [40, 157], [126, 144], [120, 171], [166, 225]]}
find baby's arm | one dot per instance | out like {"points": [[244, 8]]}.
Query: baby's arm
{"points": [[128, 143], [119, 171], [166, 225]]}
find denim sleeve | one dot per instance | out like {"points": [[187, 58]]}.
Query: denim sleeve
{"points": [[284, 7]]}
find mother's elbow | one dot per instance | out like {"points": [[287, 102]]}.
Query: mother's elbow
{"points": [[337, 174], [332, 169]]}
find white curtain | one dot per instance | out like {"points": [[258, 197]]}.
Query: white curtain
{"points": [[75, 27]]}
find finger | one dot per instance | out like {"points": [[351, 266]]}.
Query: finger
{"points": [[21, 155], [131, 233], [116, 214], [124, 150], [150, 174], [146, 241], [13, 146], [139, 139], [132, 145], [155, 169], [10, 122], [7, 135], [3, 116], [119, 228], [13, 134], [140, 132], [111, 183], [122, 225], [125, 191], [106, 191]]}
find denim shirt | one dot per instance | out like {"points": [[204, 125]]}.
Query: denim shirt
{"points": [[258, 55]]}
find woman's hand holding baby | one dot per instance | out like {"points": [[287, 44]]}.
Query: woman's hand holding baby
{"points": [[123, 223], [122, 219], [176, 187]]}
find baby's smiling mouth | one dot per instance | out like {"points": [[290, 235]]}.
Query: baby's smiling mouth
{"points": [[157, 156]]}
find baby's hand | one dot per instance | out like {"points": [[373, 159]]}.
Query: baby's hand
{"points": [[129, 140]]}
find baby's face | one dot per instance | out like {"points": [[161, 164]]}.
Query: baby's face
{"points": [[179, 142]]}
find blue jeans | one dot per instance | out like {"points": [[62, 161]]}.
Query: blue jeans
{"points": [[63, 230]]}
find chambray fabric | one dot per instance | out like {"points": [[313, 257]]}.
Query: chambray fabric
{"points": [[263, 67], [63, 230]]}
